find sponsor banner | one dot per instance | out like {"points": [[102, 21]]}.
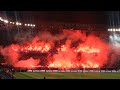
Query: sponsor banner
{"points": [[67, 70], [108, 70], [42, 70], [113, 70], [61, 70], [102, 70], [36, 70], [96, 70], [29, 70], [118, 70], [55, 70], [73, 70], [80, 70], [91, 70], [48, 70], [85, 70]]}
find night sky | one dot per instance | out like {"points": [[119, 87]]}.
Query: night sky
{"points": [[83, 17]]}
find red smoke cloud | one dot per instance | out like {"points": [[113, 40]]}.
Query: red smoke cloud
{"points": [[10, 54], [93, 54], [29, 63], [89, 52]]}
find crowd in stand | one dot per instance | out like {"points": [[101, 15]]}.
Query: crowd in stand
{"points": [[6, 73]]}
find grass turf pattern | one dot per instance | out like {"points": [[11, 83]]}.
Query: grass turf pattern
{"points": [[66, 75]]}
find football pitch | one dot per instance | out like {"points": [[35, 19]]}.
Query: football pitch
{"points": [[66, 75]]}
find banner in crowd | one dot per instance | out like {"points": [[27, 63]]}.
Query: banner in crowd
{"points": [[73, 70]]}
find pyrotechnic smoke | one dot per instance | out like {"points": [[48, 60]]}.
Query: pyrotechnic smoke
{"points": [[29, 63], [89, 51], [115, 48], [47, 36], [10, 55], [23, 37], [74, 35], [93, 54], [66, 57]]}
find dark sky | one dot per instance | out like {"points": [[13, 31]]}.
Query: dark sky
{"points": [[84, 17]]}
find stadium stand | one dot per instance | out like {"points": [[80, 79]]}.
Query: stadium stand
{"points": [[6, 75]]}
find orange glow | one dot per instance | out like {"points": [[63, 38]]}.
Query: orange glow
{"points": [[61, 64], [38, 47], [90, 64], [62, 48], [87, 50], [35, 45], [29, 63], [75, 51]]}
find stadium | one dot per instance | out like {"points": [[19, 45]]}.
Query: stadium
{"points": [[59, 45]]}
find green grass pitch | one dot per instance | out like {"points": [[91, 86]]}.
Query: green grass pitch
{"points": [[66, 75]]}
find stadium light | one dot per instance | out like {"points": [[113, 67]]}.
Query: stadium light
{"points": [[20, 23], [117, 30], [17, 23], [110, 29], [34, 25], [6, 21], [1, 19], [25, 24], [113, 30]]}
